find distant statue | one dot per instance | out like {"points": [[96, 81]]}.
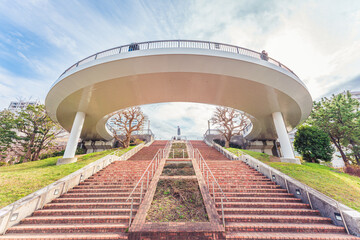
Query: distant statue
{"points": [[179, 133]]}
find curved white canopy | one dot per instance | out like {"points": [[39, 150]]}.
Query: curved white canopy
{"points": [[100, 86]]}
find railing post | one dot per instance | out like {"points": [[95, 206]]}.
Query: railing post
{"points": [[141, 191], [207, 179], [342, 217], [287, 186], [307, 193], [147, 181], [213, 190], [222, 212], [152, 170], [131, 209]]}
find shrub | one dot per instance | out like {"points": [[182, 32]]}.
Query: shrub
{"points": [[313, 144], [352, 170]]}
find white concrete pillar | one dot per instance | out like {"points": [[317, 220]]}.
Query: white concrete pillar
{"points": [[283, 136], [69, 155]]}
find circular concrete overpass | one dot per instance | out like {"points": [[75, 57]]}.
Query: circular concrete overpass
{"points": [[85, 95]]}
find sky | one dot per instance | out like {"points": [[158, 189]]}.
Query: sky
{"points": [[39, 39]]}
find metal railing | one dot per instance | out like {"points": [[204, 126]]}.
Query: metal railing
{"points": [[166, 150], [176, 44], [190, 149], [211, 183], [145, 177]]}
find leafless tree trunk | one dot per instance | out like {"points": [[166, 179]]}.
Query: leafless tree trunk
{"points": [[229, 122], [127, 121]]}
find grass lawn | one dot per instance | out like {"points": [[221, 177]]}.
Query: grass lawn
{"points": [[17, 181], [340, 186]]}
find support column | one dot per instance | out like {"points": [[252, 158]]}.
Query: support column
{"points": [[69, 155], [285, 144]]}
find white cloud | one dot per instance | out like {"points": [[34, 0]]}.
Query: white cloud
{"points": [[10, 90], [191, 117], [319, 40]]}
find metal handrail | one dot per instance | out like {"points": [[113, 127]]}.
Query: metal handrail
{"points": [[198, 157], [190, 149], [167, 148], [177, 44], [154, 165], [156, 159]]}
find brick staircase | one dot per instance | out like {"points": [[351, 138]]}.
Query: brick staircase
{"points": [[147, 153], [257, 208], [95, 209]]}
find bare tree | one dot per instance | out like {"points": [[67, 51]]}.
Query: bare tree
{"points": [[229, 122], [36, 132], [127, 121]]}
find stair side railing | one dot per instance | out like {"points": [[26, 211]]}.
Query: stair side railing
{"points": [[210, 179], [190, 149], [147, 175], [166, 150]]}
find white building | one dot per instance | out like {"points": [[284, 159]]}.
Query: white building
{"points": [[355, 94], [16, 106]]}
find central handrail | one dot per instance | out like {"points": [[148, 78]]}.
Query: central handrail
{"points": [[167, 148], [198, 157], [158, 156], [177, 44]]}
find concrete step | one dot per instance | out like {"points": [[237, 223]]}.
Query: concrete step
{"points": [[107, 190], [271, 195], [95, 199], [270, 211], [281, 227], [276, 219], [287, 236], [67, 236], [117, 186], [75, 219], [252, 190], [90, 205], [259, 199], [263, 205], [68, 228], [83, 212], [99, 194]]}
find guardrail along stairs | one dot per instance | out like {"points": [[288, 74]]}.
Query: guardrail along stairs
{"points": [[95, 209], [258, 208]]}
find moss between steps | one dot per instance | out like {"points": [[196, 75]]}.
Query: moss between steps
{"points": [[19, 180], [333, 183]]}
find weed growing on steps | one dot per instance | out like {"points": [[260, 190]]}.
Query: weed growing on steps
{"points": [[177, 201]]}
